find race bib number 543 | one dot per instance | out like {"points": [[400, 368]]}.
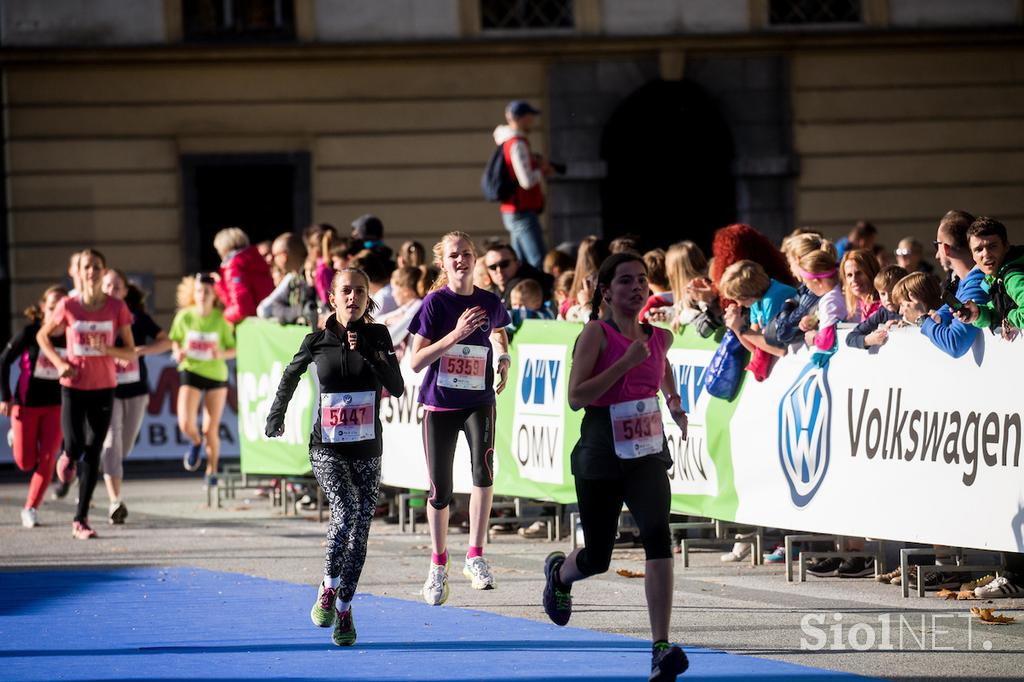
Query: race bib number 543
{"points": [[637, 428]]}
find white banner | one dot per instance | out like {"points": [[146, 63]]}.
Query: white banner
{"points": [[160, 437], [901, 443]]}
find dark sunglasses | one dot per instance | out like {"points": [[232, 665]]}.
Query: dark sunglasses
{"points": [[500, 265]]}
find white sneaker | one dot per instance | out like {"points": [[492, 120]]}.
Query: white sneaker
{"points": [[28, 517], [477, 570], [435, 589], [740, 551], [999, 588]]}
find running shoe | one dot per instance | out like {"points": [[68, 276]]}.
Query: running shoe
{"points": [[80, 530], [778, 556], [345, 629], [65, 469], [479, 572], [210, 480], [667, 663], [1000, 588], [856, 567], [323, 610], [28, 517], [557, 602], [118, 513], [740, 551], [193, 457], [435, 589], [826, 568], [972, 585]]}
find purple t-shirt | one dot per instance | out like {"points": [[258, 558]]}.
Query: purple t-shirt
{"points": [[464, 375]]}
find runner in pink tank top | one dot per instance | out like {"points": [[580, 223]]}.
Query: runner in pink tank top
{"points": [[622, 455]]}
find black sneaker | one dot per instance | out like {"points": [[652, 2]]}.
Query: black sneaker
{"points": [[118, 513], [933, 582], [667, 664], [826, 568], [557, 601], [857, 567]]}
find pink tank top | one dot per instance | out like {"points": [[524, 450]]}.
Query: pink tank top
{"points": [[644, 380]]}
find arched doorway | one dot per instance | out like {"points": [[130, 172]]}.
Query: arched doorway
{"points": [[669, 166]]}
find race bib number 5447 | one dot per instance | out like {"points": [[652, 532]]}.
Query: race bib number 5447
{"points": [[347, 417]]}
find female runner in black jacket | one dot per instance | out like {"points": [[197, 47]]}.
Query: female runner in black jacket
{"points": [[354, 360]]}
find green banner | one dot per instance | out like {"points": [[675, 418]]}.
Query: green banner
{"points": [[264, 350], [535, 431]]}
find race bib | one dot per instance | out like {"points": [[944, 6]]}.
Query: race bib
{"points": [[347, 417], [85, 333], [637, 428], [464, 367], [129, 374], [201, 345], [45, 369]]}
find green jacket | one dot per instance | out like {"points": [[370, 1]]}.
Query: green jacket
{"points": [[1011, 272]]}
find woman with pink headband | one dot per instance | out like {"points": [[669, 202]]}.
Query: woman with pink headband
{"points": [[820, 273]]}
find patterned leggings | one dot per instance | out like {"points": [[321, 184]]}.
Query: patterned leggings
{"points": [[351, 487]]}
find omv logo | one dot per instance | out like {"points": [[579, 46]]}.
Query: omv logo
{"points": [[540, 379], [690, 380], [804, 421]]}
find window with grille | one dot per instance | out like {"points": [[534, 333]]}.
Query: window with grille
{"points": [[504, 15], [800, 12], [238, 20]]}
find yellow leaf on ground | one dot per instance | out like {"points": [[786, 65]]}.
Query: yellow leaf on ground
{"points": [[946, 594], [987, 616], [626, 573]]}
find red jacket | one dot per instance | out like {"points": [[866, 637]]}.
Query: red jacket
{"points": [[244, 281], [522, 199]]}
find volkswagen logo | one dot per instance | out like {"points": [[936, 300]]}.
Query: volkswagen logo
{"points": [[804, 425], [465, 350], [346, 398]]}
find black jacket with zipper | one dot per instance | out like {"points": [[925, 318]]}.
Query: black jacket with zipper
{"points": [[372, 366]]}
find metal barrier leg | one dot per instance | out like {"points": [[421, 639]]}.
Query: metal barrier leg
{"points": [[789, 558], [573, 520], [904, 574]]}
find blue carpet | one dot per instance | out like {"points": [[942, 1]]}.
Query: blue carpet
{"points": [[192, 624]]}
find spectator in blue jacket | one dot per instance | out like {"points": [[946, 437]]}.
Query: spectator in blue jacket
{"points": [[954, 255]]}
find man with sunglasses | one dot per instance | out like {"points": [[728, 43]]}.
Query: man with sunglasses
{"points": [[506, 270], [949, 334]]}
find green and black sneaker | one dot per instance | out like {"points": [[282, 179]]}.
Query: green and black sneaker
{"points": [[345, 629], [323, 610]]}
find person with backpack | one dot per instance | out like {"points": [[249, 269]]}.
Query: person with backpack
{"points": [[1003, 267], [513, 177]]}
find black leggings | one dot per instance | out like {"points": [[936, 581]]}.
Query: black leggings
{"points": [[440, 436], [644, 488], [351, 487], [77, 408]]}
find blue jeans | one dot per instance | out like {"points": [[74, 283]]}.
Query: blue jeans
{"points": [[527, 236]]}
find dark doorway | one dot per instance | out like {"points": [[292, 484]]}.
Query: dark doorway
{"points": [[669, 158], [264, 194]]}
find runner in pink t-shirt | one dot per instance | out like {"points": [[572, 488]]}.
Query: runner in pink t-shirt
{"points": [[91, 322]]}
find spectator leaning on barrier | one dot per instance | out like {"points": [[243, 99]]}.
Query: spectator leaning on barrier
{"points": [[506, 271], [918, 295], [746, 283], [1003, 267], [949, 334], [861, 236], [244, 276], [873, 331], [520, 212], [785, 328], [527, 303], [909, 254], [293, 301], [820, 273], [857, 270]]}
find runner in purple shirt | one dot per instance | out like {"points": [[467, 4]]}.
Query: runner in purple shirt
{"points": [[453, 334]]}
